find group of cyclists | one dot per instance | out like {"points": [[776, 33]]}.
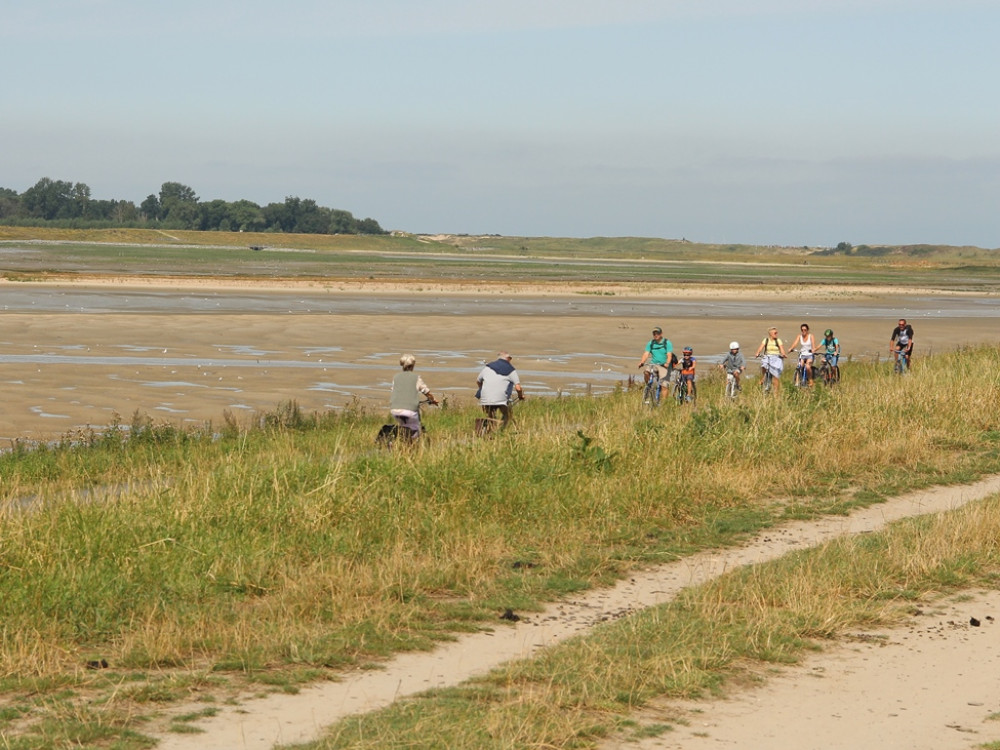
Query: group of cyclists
{"points": [[499, 383], [661, 361]]}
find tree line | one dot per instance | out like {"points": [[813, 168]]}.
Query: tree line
{"points": [[67, 204]]}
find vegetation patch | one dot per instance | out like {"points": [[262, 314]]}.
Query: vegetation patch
{"points": [[249, 558]]}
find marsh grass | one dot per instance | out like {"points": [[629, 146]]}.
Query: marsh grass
{"points": [[267, 556]]}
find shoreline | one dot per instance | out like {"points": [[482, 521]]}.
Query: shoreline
{"points": [[458, 288]]}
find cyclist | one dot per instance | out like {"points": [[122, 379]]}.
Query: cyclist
{"points": [[687, 372], [831, 347], [498, 381], [660, 352], [773, 350], [407, 390], [902, 341], [806, 345], [734, 363]]}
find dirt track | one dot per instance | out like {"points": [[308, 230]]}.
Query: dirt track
{"points": [[918, 712]]}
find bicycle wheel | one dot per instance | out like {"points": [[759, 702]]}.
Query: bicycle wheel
{"points": [[650, 393], [680, 389]]}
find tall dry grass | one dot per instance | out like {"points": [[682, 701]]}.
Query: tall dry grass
{"points": [[738, 626], [298, 545]]}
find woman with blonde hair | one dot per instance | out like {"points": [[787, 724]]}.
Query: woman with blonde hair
{"points": [[773, 350]]}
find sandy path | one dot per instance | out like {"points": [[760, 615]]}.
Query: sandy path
{"points": [[929, 686], [283, 719]]}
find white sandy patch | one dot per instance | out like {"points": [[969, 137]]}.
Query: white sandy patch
{"points": [[929, 685]]}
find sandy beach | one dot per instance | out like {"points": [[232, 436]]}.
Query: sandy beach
{"points": [[187, 351]]}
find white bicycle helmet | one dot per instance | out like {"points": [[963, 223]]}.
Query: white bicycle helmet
{"points": [[734, 344]]}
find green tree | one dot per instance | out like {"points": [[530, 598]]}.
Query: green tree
{"points": [[10, 204], [311, 218], [370, 226], [123, 212], [79, 196], [49, 199], [246, 216], [342, 222], [150, 208], [179, 205], [213, 215]]}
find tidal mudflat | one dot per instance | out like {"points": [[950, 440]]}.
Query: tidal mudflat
{"points": [[74, 355]]}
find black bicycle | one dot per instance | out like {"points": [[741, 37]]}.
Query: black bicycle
{"points": [[685, 391], [494, 420], [399, 434], [829, 373]]}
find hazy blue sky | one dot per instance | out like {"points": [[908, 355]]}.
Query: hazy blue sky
{"points": [[770, 121]]}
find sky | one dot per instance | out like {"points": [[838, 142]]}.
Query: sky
{"points": [[773, 122]]}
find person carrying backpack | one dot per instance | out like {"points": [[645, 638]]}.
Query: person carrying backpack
{"points": [[660, 353]]}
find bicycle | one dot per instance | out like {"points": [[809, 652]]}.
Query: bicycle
{"points": [[902, 362], [399, 433], [732, 386], [654, 384], [801, 377], [828, 372], [490, 423], [767, 377], [685, 391]]}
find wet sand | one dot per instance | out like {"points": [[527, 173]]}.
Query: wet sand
{"points": [[185, 352]]}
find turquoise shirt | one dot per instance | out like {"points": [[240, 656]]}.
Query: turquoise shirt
{"points": [[659, 351]]}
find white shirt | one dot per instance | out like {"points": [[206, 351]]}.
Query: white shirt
{"points": [[495, 387]]}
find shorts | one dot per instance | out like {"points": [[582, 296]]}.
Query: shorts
{"points": [[773, 364]]}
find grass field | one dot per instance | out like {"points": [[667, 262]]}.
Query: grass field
{"points": [[67, 253], [201, 565]]}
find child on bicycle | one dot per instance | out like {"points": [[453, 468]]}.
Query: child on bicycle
{"points": [[831, 351], [687, 372], [734, 363]]}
